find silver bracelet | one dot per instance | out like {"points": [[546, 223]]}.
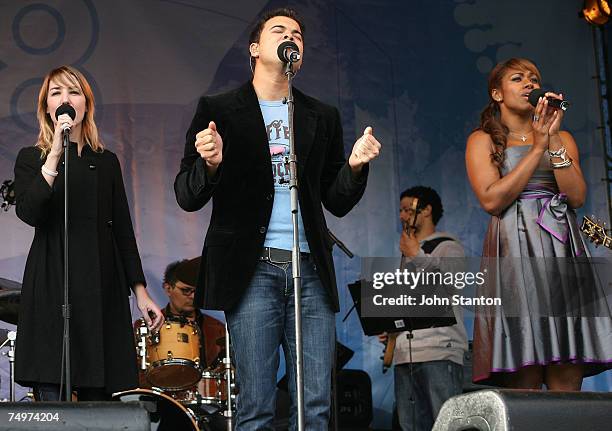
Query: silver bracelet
{"points": [[559, 153], [563, 164], [48, 171]]}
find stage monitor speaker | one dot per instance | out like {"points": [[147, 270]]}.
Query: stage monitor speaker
{"points": [[523, 410], [99, 416]]}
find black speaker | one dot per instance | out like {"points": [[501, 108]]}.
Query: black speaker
{"points": [[354, 400], [74, 416], [354, 394], [521, 410]]}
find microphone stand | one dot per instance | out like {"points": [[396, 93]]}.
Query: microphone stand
{"points": [[340, 244], [227, 365], [11, 336], [66, 306], [295, 256]]}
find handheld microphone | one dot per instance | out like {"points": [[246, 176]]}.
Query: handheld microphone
{"points": [[552, 102], [288, 52], [65, 108]]}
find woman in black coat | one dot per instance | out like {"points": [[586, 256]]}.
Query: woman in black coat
{"points": [[103, 257]]}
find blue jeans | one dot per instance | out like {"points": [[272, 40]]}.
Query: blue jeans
{"points": [[433, 383], [263, 320]]}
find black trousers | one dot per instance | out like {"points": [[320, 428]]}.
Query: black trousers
{"points": [[51, 392]]}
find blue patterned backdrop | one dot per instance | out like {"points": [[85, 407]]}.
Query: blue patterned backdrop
{"points": [[415, 70]]}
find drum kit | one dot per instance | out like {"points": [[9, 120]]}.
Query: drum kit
{"points": [[184, 393], [10, 292]]}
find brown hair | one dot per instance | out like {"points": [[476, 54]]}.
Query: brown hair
{"points": [[490, 117], [88, 126]]}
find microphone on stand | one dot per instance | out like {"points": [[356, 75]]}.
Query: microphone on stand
{"points": [[65, 108], [552, 102], [288, 52]]}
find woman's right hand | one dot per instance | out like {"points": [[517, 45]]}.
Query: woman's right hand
{"points": [[543, 118], [57, 146]]}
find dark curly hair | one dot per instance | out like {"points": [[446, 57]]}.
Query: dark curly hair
{"points": [[170, 274], [426, 196], [490, 121]]}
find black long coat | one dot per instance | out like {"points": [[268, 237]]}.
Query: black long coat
{"points": [[103, 263], [242, 191]]}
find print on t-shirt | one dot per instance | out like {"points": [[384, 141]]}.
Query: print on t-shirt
{"points": [[278, 138]]}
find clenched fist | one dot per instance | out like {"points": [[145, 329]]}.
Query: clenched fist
{"points": [[209, 145], [366, 148]]}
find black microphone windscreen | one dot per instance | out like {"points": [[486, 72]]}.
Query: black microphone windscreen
{"points": [[65, 108], [282, 48], [535, 95]]}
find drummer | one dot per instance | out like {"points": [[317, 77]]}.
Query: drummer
{"points": [[179, 281]]}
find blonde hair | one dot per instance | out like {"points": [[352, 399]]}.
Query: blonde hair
{"points": [[490, 117], [73, 77]]}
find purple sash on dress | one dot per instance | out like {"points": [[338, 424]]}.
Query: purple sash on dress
{"points": [[552, 217]]}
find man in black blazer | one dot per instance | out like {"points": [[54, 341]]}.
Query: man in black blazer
{"points": [[234, 154]]}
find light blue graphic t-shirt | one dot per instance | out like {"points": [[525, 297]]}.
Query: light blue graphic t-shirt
{"points": [[280, 232]]}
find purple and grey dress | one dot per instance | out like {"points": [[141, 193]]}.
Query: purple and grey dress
{"points": [[553, 307]]}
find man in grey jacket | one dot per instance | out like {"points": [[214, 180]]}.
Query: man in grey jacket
{"points": [[437, 353]]}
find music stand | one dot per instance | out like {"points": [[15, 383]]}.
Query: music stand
{"points": [[389, 324]]}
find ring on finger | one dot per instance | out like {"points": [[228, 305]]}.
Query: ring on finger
{"points": [[536, 117]]}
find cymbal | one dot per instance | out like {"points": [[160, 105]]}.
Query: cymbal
{"points": [[187, 271], [9, 305]]}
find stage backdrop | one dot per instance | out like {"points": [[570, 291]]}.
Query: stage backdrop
{"points": [[414, 70]]}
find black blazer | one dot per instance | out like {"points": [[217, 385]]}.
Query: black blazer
{"points": [[243, 189]]}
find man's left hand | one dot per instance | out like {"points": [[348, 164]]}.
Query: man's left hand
{"points": [[366, 148]]}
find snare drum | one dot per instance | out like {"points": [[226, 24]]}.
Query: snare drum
{"points": [[210, 394], [173, 355], [213, 387]]}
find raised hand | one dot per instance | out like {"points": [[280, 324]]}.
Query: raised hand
{"points": [[556, 123], [366, 148], [409, 245], [543, 118], [57, 146], [209, 145]]}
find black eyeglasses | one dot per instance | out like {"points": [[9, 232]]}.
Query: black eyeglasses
{"points": [[186, 290]]}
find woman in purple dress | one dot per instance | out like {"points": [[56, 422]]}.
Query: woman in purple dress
{"points": [[553, 327]]}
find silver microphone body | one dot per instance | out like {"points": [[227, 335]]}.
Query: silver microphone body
{"points": [[66, 128]]}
